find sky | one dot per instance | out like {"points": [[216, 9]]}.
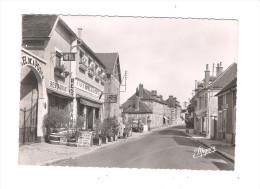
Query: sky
{"points": [[164, 54]]}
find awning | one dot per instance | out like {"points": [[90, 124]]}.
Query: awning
{"points": [[88, 102], [58, 94]]}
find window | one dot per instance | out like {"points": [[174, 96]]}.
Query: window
{"points": [[224, 99], [58, 59]]}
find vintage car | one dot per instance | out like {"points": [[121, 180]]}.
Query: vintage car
{"points": [[137, 125]]}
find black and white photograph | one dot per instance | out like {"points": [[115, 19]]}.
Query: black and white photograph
{"points": [[132, 95], [128, 92]]}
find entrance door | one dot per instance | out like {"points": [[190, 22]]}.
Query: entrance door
{"points": [[90, 117], [28, 109]]}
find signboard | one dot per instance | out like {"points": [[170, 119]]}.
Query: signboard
{"points": [[59, 87], [72, 90], [68, 56], [84, 139], [87, 88], [111, 98], [30, 61]]}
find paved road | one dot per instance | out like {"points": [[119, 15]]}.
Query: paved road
{"points": [[169, 148]]}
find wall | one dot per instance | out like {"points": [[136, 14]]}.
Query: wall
{"points": [[112, 86], [60, 40]]}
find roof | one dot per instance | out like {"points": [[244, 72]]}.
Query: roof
{"points": [[38, 25], [41, 25], [225, 77], [148, 95], [109, 60], [81, 42], [142, 109], [221, 81], [231, 85]]}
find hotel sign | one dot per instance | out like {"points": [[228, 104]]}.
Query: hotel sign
{"points": [[28, 60], [87, 88], [68, 56], [59, 87]]}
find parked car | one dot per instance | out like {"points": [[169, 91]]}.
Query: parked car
{"points": [[137, 125]]}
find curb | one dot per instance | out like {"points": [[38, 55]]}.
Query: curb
{"points": [[224, 154], [98, 148]]}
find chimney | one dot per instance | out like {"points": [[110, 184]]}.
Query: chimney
{"points": [[174, 101], [206, 82], [220, 68], [141, 90], [79, 32], [154, 92], [217, 70], [213, 69], [137, 91], [170, 101], [137, 102]]}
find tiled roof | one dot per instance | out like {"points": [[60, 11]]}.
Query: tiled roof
{"points": [[232, 84], [221, 81], [225, 77], [142, 109], [37, 25], [109, 60], [148, 95]]}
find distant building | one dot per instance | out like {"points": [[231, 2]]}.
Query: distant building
{"points": [[147, 105], [175, 108], [226, 127]]}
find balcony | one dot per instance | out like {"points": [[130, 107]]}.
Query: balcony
{"points": [[83, 67], [91, 72], [97, 78]]}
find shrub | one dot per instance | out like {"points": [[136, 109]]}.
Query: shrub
{"points": [[110, 127], [54, 120]]}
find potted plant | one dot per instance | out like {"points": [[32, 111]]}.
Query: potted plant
{"points": [[110, 135], [97, 139], [59, 69], [66, 73], [53, 121]]}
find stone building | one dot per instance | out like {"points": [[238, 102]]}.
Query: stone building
{"points": [[226, 124], [175, 109], [45, 38], [59, 70], [88, 80], [147, 105], [112, 84], [205, 102]]}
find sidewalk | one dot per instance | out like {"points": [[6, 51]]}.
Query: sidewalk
{"points": [[223, 148], [47, 154]]}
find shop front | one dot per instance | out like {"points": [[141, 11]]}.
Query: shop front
{"points": [[90, 103]]}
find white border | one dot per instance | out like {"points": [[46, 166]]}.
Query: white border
{"points": [[247, 152]]}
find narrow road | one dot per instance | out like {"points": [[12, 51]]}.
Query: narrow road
{"points": [[169, 148]]}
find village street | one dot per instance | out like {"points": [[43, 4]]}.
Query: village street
{"points": [[169, 148]]}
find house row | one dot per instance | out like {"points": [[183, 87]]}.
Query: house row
{"points": [[59, 70], [151, 109], [214, 104]]}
